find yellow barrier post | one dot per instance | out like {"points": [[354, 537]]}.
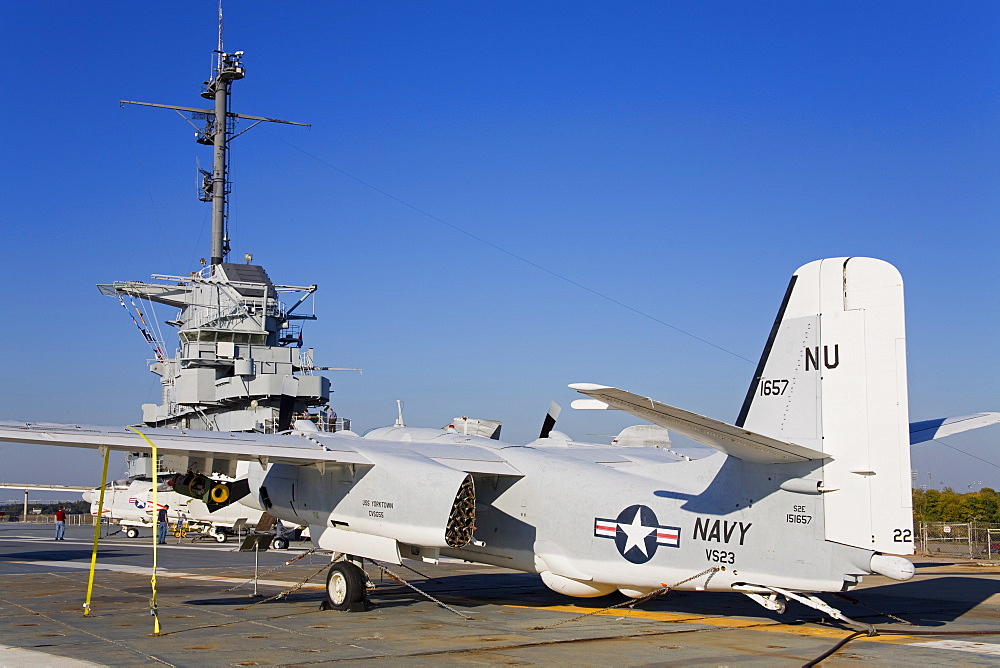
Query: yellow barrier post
{"points": [[106, 451], [156, 535]]}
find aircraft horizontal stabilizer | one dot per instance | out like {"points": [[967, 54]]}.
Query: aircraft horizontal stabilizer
{"points": [[734, 441], [930, 429]]}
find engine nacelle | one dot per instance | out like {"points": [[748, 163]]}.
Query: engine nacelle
{"points": [[214, 493], [405, 496], [193, 485]]}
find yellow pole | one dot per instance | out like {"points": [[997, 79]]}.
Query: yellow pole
{"points": [[156, 536], [97, 530]]}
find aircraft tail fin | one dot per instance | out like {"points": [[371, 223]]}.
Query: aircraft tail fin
{"points": [[833, 378]]}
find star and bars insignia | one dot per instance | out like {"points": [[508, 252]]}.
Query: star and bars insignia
{"points": [[637, 533]]}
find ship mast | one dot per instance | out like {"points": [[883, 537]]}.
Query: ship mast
{"points": [[239, 365], [228, 70], [218, 132]]}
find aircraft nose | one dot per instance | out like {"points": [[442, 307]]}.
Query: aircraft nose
{"points": [[88, 496]]}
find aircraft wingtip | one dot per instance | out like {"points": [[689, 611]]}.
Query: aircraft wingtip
{"points": [[588, 387], [588, 404]]}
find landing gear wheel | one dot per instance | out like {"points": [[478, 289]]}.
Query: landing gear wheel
{"points": [[280, 543], [345, 586], [132, 532], [220, 536]]}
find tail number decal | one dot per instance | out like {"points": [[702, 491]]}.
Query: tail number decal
{"points": [[902, 535], [770, 388], [720, 556], [812, 357]]}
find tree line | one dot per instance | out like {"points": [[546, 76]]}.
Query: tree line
{"points": [[947, 505], [71, 507]]}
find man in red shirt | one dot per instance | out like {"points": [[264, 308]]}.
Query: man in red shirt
{"points": [[60, 524]]}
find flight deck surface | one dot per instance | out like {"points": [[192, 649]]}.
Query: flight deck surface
{"points": [[209, 616]]}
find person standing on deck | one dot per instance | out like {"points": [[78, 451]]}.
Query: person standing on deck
{"points": [[161, 520], [60, 524]]}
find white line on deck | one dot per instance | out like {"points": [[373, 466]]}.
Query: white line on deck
{"points": [[160, 572], [962, 646], [147, 543]]}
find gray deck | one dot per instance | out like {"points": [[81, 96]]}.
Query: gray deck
{"points": [[514, 618]]}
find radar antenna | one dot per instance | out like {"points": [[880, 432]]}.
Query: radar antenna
{"points": [[220, 49], [218, 132]]}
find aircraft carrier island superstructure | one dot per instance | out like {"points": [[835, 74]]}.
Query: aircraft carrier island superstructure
{"points": [[240, 365]]}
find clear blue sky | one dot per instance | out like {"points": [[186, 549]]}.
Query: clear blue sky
{"points": [[682, 158]]}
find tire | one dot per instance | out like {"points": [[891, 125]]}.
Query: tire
{"points": [[132, 532], [220, 536], [345, 585], [280, 543]]}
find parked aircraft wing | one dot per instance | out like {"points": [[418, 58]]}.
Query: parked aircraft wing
{"points": [[619, 457], [469, 453], [231, 445], [931, 429], [732, 440], [44, 488], [295, 448]]}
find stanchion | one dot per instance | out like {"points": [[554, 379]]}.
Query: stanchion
{"points": [[97, 528], [156, 536]]}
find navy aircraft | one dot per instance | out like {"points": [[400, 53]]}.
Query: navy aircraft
{"points": [[130, 504], [808, 492]]}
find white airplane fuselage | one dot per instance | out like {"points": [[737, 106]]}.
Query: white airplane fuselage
{"points": [[589, 529]]}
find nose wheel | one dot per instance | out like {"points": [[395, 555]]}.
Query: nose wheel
{"points": [[346, 585]]}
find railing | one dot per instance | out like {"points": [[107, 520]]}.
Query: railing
{"points": [[340, 424], [969, 540], [76, 519]]}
